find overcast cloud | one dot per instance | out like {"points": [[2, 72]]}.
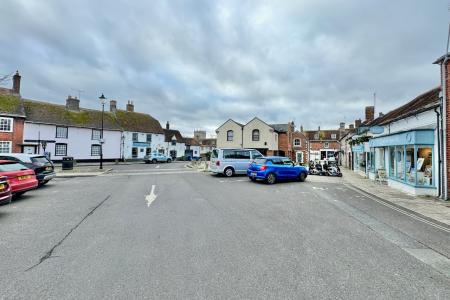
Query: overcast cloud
{"points": [[198, 63]]}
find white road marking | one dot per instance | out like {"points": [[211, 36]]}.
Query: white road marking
{"points": [[319, 188], [151, 197], [150, 173], [157, 167]]}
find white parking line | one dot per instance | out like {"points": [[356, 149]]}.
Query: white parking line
{"points": [[151, 197]]}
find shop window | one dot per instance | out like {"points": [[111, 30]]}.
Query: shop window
{"points": [[410, 165], [371, 160], [134, 152], [424, 165], [379, 159], [392, 162], [148, 151], [400, 162]]}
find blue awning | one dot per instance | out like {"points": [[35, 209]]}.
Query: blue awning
{"points": [[413, 137]]}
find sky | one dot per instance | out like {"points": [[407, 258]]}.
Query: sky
{"points": [[199, 63]]}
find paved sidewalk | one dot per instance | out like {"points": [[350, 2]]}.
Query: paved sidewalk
{"points": [[429, 207]]}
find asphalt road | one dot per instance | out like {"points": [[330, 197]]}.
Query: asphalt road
{"points": [[199, 236]]}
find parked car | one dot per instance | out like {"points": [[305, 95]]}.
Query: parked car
{"points": [[5, 191], [155, 158], [276, 168], [231, 161], [20, 178], [43, 168]]}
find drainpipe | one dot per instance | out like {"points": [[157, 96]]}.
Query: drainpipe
{"points": [[242, 137], [444, 125], [438, 119]]}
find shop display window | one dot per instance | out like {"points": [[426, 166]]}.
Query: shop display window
{"points": [[400, 162], [424, 165], [392, 162], [410, 165]]}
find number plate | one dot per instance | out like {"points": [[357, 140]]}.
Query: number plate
{"points": [[253, 174], [24, 177]]}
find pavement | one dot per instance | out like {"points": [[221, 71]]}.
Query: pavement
{"points": [[428, 207], [168, 232]]}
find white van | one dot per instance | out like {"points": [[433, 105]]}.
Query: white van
{"points": [[230, 161]]}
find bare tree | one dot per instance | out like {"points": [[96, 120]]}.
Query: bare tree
{"points": [[5, 78]]}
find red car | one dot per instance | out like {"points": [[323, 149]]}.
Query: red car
{"points": [[20, 178], [5, 191]]}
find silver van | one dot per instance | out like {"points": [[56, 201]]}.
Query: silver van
{"points": [[230, 161]]}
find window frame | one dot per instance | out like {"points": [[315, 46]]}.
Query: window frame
{"points": [[99, 134], [333, 136], [62, 137], [11, 124], [147, 139], [60, 144], [299, 142], [256, 135], [230, 135], [10, 146], [326, 145], [100, 149], [135, 134]]}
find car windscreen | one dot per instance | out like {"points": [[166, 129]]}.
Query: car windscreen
{"points": [[8, 167], [214, 154], [260, 161], [41, 160]]}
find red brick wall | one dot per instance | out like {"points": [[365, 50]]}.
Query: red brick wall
{"points": [[317, 145], [16, 137], [302, 148]]}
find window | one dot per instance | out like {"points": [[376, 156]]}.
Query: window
{"points": [[174, 142], [256, 154], [134, 152], [229, 135], [242, 155], [173, 154], [149, 137], [6, 124], [297, 142], [299, 157], [135, 137], [60, 149], [148, 151], [333, 136], [161, 151], [424, 165], [5, 147], [255, 135], [287, 162], [96, 134], [316, 136], [400, 162], [96, 150], [61, 132], [229, 154], [326, 145], [391, 161], [410, 165]]}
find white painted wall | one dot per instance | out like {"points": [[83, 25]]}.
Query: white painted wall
{"points": [[179, 147], [156, 144], [79, 141]]}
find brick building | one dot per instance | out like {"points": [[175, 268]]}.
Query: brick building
{"points": [[285, 139], [300, 147], [12, 117], [323, 144]]}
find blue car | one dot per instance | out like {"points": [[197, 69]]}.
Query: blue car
{"points": [[275, 168]]}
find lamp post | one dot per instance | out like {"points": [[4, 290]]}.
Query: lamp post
{"points": [[103, 101]]}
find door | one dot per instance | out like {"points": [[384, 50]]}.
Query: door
{"points": [[242, 160], [299, 157]]}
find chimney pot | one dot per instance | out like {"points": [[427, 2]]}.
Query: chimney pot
{"points": [[72, 103], [351, 126], [167, 125], [16, 83], [130, 106], [357, 123]]}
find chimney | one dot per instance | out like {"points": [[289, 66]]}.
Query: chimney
{"points": [[113, 106], [370, 113], [130, 106], [73, 103], [301, 128], [357, 123], [342, 126], [167, 125], [351, 126], [16, 83], [380, 114]]}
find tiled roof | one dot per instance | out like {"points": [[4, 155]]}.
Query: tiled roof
{"points": [[421, 103], [11, 105], [49, 113], [282, 128], [209, 142], [324, 134], [169, 133], [191, 142], [138, 122]]}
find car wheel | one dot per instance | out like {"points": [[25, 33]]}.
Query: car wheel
{"points": [[301, 177], [271, 178], [154, 161], [228, 172], [18, 194], [169, 160]]}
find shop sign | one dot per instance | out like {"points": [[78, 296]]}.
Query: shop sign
{"points": [[141, 144], [358, 148], [376, 129]]}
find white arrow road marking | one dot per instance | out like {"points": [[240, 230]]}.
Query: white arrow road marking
{"points": [[157, 167], [151, 197]]}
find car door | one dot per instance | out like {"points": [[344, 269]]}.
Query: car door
{"points": [[289, 168], [242, 160]]}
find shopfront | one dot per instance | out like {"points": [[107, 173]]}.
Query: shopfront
{"points": [[359, 159], [407, 160]]}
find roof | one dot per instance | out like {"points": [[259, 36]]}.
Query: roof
{"points": [[11, 105], [282, 128], [208, 142], [421, 103], [191, 142], [133, 121], [324, 134], [441, 59], [49, 113], [169, 133], [239, 124]]}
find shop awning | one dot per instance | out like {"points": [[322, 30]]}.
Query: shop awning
{"points": [[413, 137]]}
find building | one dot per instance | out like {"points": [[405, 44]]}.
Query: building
{"points": [[207, 145], [230, 135], [260, 136], [285, 139], [174, 143], [68, 130], [12, 117], [142, 134], [199, 135], [323, 144], [193, 148], [300, 147], [404, 146]]}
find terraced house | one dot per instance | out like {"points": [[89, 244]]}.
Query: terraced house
{"points": [[12, 118]]}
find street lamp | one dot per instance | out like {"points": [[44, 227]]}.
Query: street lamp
{"points": [[103, 101]]}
